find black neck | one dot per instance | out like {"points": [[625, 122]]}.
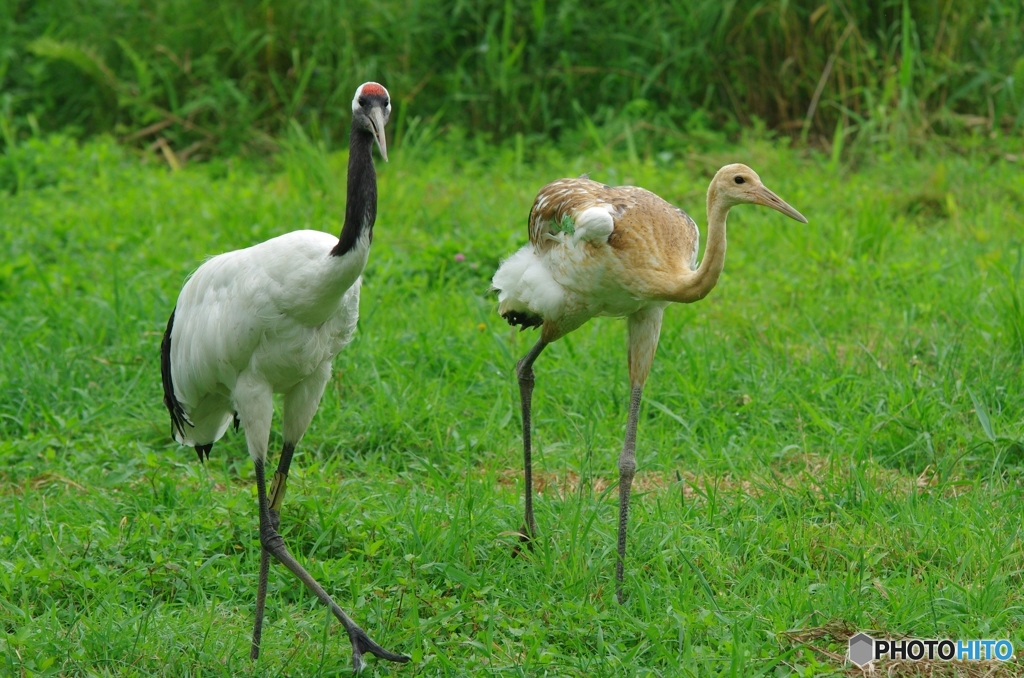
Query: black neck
{"points": [[361, 205]]}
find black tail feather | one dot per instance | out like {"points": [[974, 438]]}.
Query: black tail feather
{"points": [[524, 320], [178, 416]]}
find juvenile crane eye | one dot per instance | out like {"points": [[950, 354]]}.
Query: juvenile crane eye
{"points": [[739, 180]]}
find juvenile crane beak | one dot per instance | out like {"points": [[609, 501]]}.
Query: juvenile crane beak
{"points": [[377, 120], [769, 199]]}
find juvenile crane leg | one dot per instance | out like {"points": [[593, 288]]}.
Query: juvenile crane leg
{"points": [[524, 371], [644, 330], [274, 544], [627, 469], [277, 490]]}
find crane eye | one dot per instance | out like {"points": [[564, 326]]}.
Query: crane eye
{"points": [[363, 101], [740, 180]]}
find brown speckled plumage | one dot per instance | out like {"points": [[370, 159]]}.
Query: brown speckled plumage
{"points": [[642, 220]]}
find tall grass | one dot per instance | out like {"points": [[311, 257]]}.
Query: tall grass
{"points": [[205, 78]]}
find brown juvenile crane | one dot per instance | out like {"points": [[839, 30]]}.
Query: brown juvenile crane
{"points": [[596, 250]]}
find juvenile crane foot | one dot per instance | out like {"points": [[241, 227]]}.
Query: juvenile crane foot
{"points": [[526, 536]]}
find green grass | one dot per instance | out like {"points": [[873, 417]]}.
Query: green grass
{"points": [[830, 441]]}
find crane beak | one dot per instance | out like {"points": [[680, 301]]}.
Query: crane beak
{"points": [[769, 199], [377, 120]]}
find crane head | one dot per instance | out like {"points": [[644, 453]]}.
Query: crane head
{"points": [[371, 108], [737, 184]]}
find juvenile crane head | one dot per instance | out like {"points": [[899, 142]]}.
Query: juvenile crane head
{"points": [[371, 108], [739, 185]]}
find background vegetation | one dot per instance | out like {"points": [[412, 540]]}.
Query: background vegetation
{"points": [[830, 442], [204, 78]]}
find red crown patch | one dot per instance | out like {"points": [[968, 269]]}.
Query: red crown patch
{"points": [[374, 90]]}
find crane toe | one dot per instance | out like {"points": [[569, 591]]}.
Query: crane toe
{"points": [[526, 535], [362, 643]]}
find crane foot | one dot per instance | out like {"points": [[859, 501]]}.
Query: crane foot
{"points": [[363, 643], [526, 536]]}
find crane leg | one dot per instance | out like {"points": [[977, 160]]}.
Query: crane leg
{"points": [[274, 544], [278, 486], [524, 371], [644, 330], [627, 469]]}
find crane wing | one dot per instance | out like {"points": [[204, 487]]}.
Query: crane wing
{"points": [[281, 307], [575, 210]]}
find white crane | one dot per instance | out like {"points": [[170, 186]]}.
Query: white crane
{"points": [[596, 250], [270, 319]]}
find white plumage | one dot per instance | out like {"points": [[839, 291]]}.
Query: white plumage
{"points": [[273, 315], [594, 224], [526, 285]]}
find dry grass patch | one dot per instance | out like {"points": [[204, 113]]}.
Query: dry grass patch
{"points": [[804, 473], [810, 472], [564, 484]]}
